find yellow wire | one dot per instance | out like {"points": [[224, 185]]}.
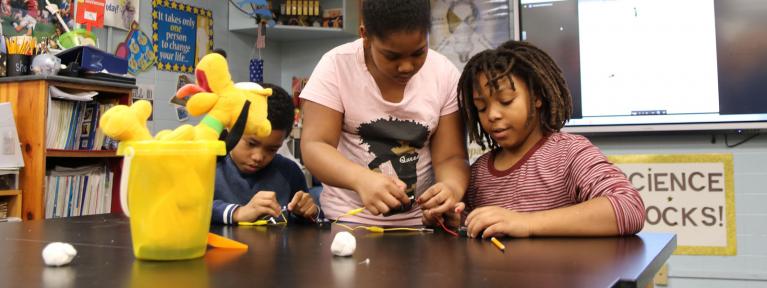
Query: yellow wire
{"points": [[263, 222], [374, 229], [254, 223]]}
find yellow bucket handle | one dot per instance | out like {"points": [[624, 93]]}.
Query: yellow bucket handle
{"points": [[128, 156]]}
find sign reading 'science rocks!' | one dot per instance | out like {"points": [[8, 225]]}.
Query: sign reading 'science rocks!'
{"points": [[691, 195]]}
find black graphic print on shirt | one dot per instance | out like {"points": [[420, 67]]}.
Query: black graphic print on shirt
{"points": [[395, 141]]}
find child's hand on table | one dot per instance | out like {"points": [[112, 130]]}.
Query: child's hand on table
{"points": [[263, 203], [498, 221]]}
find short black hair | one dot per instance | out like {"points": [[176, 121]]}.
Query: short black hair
{"points": [[543, 77], [220, 51], [281, 111], [383, 17]]}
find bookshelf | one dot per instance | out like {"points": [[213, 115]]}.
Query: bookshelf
{"points": [[242, 23], [29, 99], [82, 154], [13, 197]]}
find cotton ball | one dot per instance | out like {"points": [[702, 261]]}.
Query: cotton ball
{"points": [[58, 254], [343, 244]]}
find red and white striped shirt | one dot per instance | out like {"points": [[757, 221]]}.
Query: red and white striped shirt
{"points": [[560, 170]]}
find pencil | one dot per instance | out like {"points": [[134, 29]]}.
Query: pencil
{"points": [[498, 244]]}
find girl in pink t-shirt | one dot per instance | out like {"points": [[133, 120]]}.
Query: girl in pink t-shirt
{"points": [[381, 124]]}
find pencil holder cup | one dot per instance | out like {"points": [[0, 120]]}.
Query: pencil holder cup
{"points": [[17, 64], [168, 186], [2, 64]]}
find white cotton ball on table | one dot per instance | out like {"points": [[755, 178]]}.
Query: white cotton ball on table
{"points": [[343, 244], [58, 254]]}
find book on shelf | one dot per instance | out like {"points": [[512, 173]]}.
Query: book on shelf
{"points": [[3, 208], [78, 191], [73, 125]]}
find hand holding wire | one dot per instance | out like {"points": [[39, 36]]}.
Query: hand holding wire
{"points": [[437, 201], [381, 193], [263, 203], [303, 205]]}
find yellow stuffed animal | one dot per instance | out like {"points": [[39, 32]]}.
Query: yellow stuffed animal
{"points": [[223, 101], [127, 123], [214, 94]]}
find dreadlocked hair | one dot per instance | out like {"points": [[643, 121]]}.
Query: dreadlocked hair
{"points": [[543, 77]]}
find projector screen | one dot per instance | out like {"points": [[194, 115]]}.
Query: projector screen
{"points": [[656, 65]]}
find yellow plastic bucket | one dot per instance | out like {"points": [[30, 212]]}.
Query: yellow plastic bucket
{"points": [[169, 188]]}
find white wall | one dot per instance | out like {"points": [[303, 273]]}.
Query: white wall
{"points": [[300, 57]]}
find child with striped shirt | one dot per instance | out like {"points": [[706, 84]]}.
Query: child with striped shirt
{"points": [[536, 180]]}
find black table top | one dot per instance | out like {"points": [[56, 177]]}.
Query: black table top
{"points": [[299, 256]]}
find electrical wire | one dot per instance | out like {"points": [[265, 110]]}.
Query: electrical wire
{"points": [[264, 222], [726, 142], [376, 229], [442, 224]]}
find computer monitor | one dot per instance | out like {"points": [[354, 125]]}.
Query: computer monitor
{"points": [[655, 65]]}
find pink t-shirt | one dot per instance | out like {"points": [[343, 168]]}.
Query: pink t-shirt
{"points": [[372, 126]]}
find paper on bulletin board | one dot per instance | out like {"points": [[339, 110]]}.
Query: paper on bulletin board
{"points": [[691, 195], [121, 13], [10, 151], [182, 35]]}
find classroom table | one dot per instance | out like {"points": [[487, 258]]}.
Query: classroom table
{"points": [[299, 256]]}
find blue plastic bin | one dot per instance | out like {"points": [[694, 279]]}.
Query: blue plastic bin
{"points": [[94, 60]]}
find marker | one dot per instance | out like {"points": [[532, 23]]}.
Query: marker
{"points": [[498, 244]]}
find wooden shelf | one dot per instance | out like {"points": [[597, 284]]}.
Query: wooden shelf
{"points": [[287, 33], [81, 153], [29, 98], [13, 198], [10, 192], [241, 23]]}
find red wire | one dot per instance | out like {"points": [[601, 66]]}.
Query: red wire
{"points": [[451, 232]]}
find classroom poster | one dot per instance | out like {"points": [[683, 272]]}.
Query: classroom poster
{"points": [[35, 18], [182, 34], [138, 49], [691, 195], [121, 13], [463, 28]]}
